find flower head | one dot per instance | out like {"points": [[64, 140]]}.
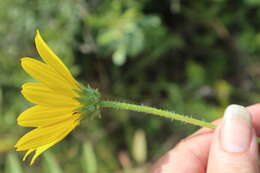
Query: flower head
{"points": [[56, 96]]}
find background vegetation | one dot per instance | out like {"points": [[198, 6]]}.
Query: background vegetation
{"points": [[193, 57]]}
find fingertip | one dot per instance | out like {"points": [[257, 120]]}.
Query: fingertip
{"points": [[255, 112], [234, 144]]}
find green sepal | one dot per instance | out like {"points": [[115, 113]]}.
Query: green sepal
{"points": [[90, 100]]}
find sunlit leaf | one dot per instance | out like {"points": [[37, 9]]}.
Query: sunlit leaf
{"points": [[139, 148]]}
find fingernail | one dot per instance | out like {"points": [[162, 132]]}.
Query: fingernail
{"points": [[236, 131]]}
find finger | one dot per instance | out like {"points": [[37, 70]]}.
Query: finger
{"points": [[255, 112], [194, 150], [234, 147], [189, 156]]}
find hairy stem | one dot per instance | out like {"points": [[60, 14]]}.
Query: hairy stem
{"points": [[155, 111], [159, 112]]}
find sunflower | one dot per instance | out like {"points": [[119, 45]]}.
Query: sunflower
{"points": [[56, 95]]}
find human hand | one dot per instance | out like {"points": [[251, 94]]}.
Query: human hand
{"points": [[232, 147]]}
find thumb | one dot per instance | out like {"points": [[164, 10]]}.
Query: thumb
{"points": [[234, 147]]}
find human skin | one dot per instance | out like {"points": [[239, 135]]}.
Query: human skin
{"points": [[203, 151]]}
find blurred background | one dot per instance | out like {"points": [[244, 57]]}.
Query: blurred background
{"points": [[191, 57]]}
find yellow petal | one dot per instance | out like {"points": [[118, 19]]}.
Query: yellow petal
{"points": [[41, 150], [38, 93], [46, 74], [37, 116], [45, 135], [45, 147], [52, 59], [27, 153]]}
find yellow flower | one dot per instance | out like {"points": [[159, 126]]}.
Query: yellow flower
{"points": [[56, 95]]}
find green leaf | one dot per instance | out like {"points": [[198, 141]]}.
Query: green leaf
{"points": [[88, 161], [50, 165], [195, 74], [223, 91], [12, 164], [119, 56]]}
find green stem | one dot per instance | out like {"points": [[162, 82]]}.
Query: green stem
{"points": [[155, 111], [159, 112]]}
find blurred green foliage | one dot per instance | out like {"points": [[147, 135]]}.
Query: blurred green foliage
{"points": [[192, 57]]}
